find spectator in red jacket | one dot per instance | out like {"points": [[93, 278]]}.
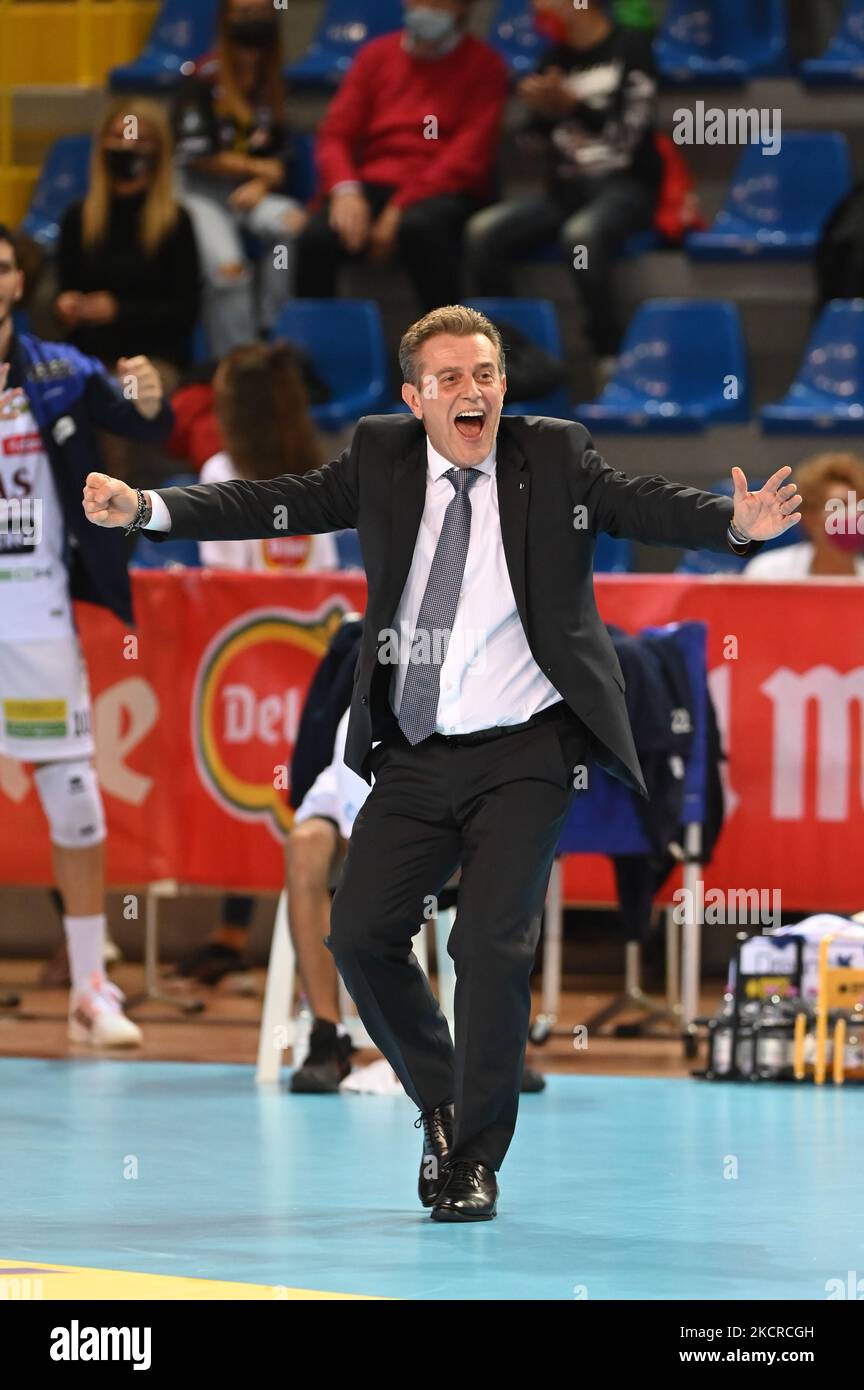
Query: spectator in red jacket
{"points": [[406, 153]]}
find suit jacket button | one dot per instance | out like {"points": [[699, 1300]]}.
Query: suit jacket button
{"points": [[363, 700]]}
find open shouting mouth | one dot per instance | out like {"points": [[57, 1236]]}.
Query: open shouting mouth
{"points": [[469, 423]]}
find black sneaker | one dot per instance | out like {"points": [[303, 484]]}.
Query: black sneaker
{"points": [[211, 963], [328, 1062]]}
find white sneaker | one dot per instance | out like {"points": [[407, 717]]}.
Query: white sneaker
{"points": [[96, 1017]]}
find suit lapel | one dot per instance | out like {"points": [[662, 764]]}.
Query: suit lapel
{"points": [[408, 499], [514, 487]]}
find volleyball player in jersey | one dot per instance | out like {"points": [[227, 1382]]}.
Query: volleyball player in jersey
{"points": [[52, 400]]}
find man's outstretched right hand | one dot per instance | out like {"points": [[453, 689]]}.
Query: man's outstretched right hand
{"points": [[108, 501]]}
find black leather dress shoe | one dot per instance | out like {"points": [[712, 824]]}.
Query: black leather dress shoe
{"points": [[470, 1192], [437, 1143]]}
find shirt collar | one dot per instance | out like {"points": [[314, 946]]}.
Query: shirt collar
{"points": [[437, 465]]}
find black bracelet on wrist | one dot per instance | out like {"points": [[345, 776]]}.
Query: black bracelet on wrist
{"points": [[143, 513]]}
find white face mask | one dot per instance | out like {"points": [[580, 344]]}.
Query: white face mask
{"points": [[430, 26]]}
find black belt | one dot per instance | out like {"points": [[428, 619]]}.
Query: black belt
{"points": [[486, 735]]}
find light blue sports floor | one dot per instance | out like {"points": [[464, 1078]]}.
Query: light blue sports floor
{"points": [[614, 1187]]}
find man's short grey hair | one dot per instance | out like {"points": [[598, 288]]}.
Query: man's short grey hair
{"points": [[456, 319]]}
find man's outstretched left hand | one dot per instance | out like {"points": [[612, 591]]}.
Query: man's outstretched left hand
{"points": [[762, 515]]}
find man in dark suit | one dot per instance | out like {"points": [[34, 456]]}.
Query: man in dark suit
{"points": [[485, 685]]}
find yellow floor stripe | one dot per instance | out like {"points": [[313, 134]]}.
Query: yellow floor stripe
{"points": [[28, 1279]]}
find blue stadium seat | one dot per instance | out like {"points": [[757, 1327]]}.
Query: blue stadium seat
{"points": [[537, 319], [62, 180], [182, 31], [515, 37], [148, 555], [348, 548], [611, 555], [640, 243], [715, 562], [724, 42], [344, 27], [345, 339], [842, 63], [674, 371], [827, 396], [199, 344], [302, 176], [777, 205]]}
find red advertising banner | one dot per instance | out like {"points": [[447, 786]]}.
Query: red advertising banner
{"points": [[196, 711]]}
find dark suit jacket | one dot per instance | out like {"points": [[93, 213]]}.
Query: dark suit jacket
{"points": [[546, 470]]}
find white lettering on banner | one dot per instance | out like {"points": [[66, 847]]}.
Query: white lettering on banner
{"points": [[834, 693], [720, 689], [274, 718], [123, 716]]}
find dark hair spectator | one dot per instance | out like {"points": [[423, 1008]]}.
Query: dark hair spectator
{"points": [[263, 411], [591, 106]]}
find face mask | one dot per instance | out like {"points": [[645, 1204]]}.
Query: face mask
{"points": [[430, 26], [551, 26], [253, 33], [126, 165], [850, 541]]}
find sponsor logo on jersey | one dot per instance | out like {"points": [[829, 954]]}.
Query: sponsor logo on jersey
{"points": [[23, 444], [35, 718]]}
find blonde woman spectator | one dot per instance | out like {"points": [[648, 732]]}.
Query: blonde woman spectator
{"points": [[127, 262], [832, 512]]}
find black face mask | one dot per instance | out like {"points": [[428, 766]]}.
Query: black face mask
{"points": [[253, 33], [126, 165]]}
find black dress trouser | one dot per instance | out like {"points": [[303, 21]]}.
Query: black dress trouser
{"points": [[497, 809], [429, 241]]}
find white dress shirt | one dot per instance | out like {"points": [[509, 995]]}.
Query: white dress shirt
{"points": [[161, 517], [488, 676], [790, 562]]}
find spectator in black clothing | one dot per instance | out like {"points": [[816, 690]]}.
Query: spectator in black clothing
{"points": [[127, 263], [591, 112], [233, 151]]}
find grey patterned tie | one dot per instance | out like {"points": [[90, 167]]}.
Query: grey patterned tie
{"points": [[419, 707]]}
